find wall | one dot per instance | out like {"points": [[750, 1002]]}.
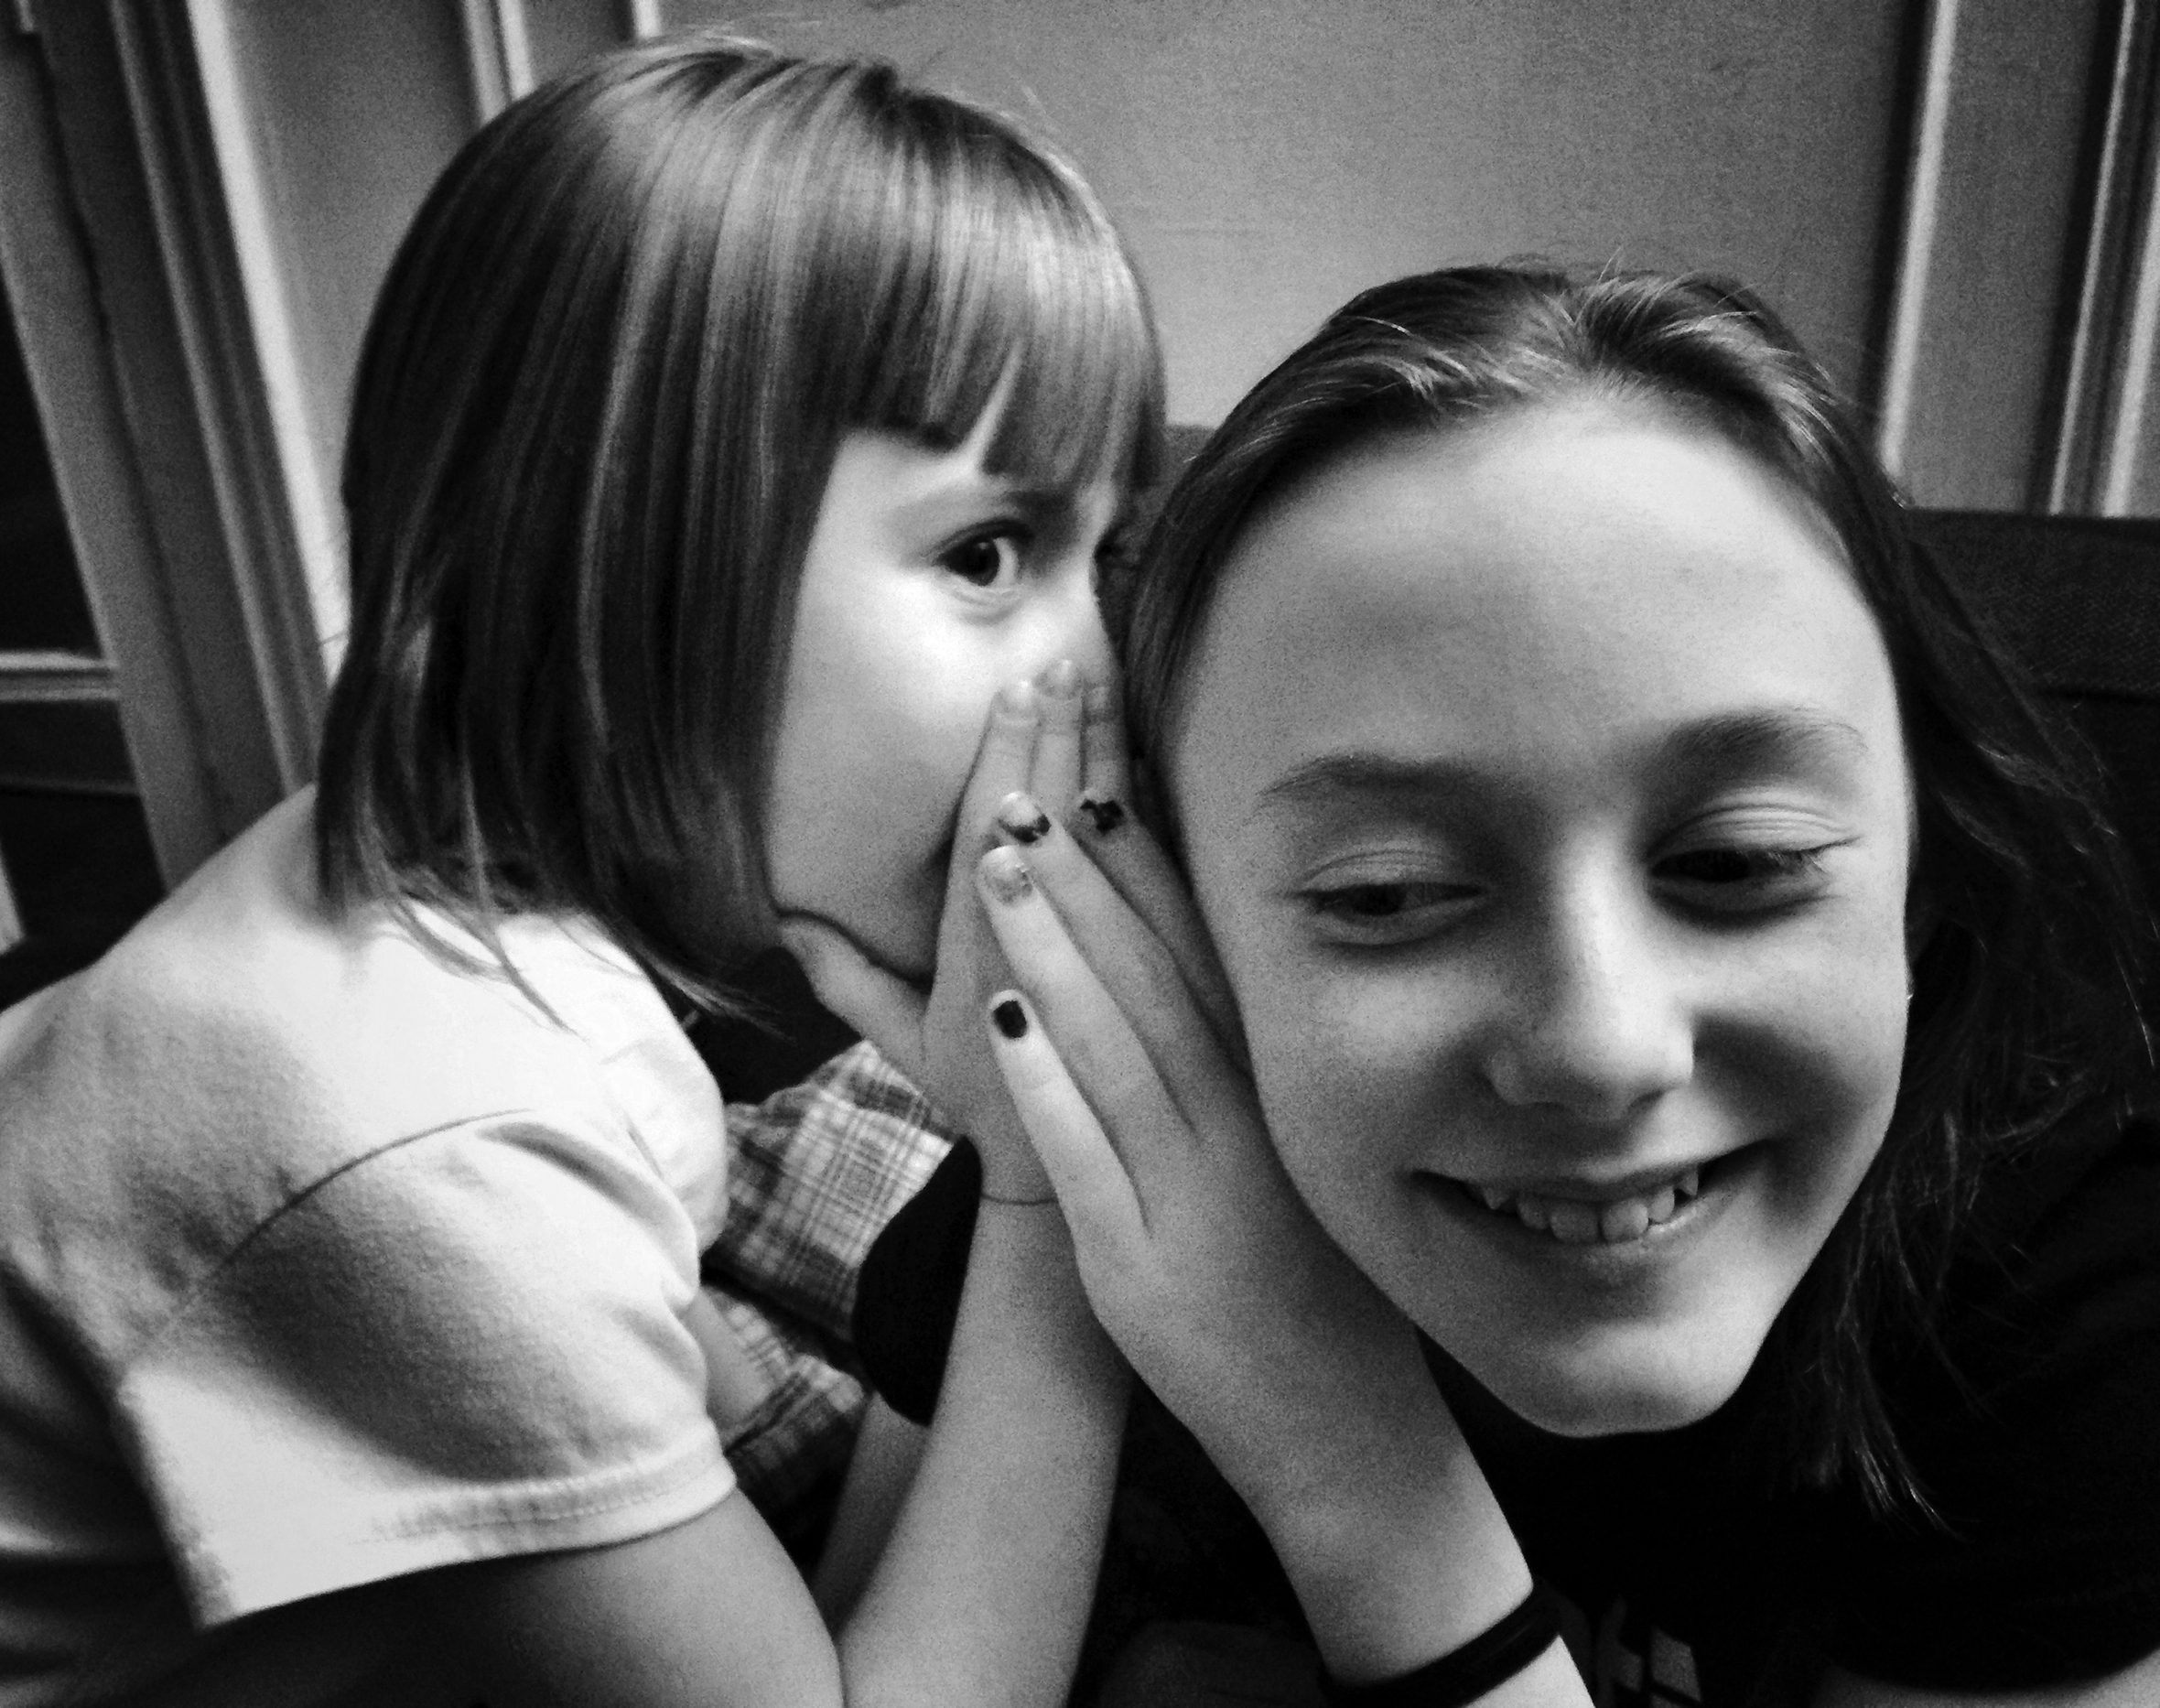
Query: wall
{"points": [[1267, 158]]}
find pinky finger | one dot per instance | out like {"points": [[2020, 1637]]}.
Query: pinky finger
{"points": [[1093, 1189]]}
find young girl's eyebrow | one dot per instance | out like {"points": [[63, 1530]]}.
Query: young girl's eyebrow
{"points": [[1039, 505]]}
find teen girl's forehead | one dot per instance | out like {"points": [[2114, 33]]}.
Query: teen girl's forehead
{"points": [[1649, 574]]}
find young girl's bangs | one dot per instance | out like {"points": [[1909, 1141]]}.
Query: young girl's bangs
{"points": [[1013, 289]]}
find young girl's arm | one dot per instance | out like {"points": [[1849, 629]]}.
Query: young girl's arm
{"points": [[979, 1596], [982, 1591], [1302, 1382], [1024, 1313]]}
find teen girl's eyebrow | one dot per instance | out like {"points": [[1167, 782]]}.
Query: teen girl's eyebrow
{"points": [[1781, 738], [1365, 775], [1778, 738]]}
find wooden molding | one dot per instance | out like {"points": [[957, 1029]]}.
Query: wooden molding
{"points": [[291, 480], [43, 677], [498, 51], [1916, 252], [66, 324], [2011, 376], [146, 360], [2105, 438], [203, 233]]}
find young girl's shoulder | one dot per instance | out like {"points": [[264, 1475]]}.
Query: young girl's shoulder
{"points": [[242, 1046], [290, 1203]]}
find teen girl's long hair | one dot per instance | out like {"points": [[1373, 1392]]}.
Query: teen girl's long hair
{"points": [[595, 413], [2030, 937]]}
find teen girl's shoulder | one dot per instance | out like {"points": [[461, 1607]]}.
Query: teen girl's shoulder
{"points": [[2033, 1436]]}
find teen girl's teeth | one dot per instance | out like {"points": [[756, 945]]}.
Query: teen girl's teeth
{"points": [[1576, 1222]]}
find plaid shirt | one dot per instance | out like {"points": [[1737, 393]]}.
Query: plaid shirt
{"points": [[814, 1172]]}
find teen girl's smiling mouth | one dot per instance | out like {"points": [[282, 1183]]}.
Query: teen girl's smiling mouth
{"points": [[1543, 788]]}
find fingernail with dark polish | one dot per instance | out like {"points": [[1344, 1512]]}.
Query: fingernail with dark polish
{"points": [[1007, 874], [1105, 813], [1012, 1019], [1022, 819]]}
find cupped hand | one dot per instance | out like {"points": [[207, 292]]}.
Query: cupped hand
{"points": [[1054, 735], [1124, 1061]]}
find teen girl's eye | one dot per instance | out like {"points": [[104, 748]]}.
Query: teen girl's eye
{"points": [[988, 560], [1740, 879], [1380, 912]]}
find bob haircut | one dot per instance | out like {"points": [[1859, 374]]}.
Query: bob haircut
{"points": [[2029, 936], [596, 410]]}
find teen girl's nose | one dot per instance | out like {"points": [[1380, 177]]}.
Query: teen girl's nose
{"points": [[1595, 1026]]}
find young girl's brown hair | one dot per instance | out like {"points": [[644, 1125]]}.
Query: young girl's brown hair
{"points": [[597, 403]]}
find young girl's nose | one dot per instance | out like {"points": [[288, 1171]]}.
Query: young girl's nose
{"points": [[1073, 628], [1596, 1026]]}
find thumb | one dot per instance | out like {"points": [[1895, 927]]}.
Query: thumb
{"points": [[885, 1008]]}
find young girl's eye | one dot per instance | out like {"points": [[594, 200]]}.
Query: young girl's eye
{"points": [[1744, 879], [991, 561]]}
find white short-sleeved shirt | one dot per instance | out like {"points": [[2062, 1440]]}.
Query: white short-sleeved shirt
{"points": [[323, 1262]]}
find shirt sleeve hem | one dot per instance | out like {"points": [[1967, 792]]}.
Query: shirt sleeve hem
{"points": [[291, 1557]]}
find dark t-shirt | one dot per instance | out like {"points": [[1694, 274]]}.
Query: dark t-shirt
{"points": [[1690, 1570]]}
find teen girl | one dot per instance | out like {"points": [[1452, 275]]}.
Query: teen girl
{"points": [[1682, 972], [730, 430]]}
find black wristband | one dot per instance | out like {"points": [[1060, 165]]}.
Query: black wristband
{"points": [[1460, 1677]]}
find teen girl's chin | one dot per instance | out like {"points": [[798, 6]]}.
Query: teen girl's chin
{"points": [[1603, 1337]]}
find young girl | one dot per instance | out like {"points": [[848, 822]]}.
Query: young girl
{"points": [[730, 429], [1683, 973]]}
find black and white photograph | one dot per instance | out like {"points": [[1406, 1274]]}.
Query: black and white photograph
{"points": [[1080, 854]]}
